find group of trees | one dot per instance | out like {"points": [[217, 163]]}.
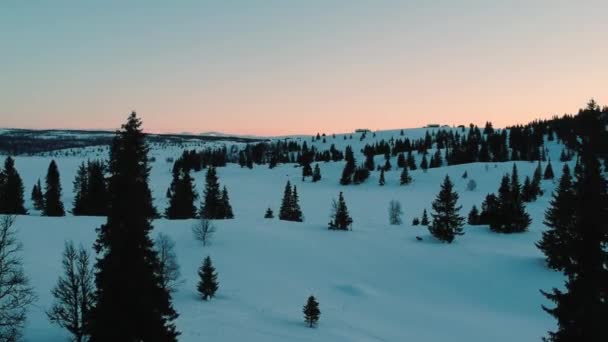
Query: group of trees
{"points": [[506, 212], [290, 206], [90, 190], [12, 191]]}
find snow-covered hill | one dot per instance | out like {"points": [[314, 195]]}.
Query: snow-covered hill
{"points": [[375, 283]]}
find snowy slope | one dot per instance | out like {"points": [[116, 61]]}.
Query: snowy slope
{"points": [[376, 283]]}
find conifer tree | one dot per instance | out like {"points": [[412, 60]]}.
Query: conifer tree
{"points": [[415, 221], [582, 306], [226, 207], [37, 196], [411, 162], [53, 206], [208, 284], [424, 165], [473, 218], [425, 218], [80, 191], [341, 220], [511, 215], [349, 167], [212, 207], [559, 219], [515, 186], [401, 163], [290, 207], [387, 164], [316, 174], [11, 189], [369, 162], [548, 171], [405, 177], [97, 189], [269, 214], [489, 210], [447, 223], [381, 180], [527, 192], [131, 302], [181, 202], [311, 312]]}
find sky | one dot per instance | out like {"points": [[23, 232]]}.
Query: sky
{"points": [[278, 67]]}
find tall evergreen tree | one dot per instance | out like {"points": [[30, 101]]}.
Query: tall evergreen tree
{"points": [[290, 208], [227, 208], [515, 185], [97, 190], [473, 218], [489, 210], [582, 307], [37, 196], [405, 177], [311, 311], [132, 304], [212, 207], [381, 180], [548, 171], [447, 223], [208, 284], [80, 191], [11, 189], [511, 216], [316, 174], [424, 164], [411, 162], [53, 206], [181, 203], [341, 220], [559, 218]]}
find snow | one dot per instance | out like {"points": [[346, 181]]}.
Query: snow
{"points": [[375, 283]]}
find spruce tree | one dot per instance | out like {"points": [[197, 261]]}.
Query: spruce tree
{"points": [[132, 304], [212, 207], [559, 218], [80, 191], [473, 218], [511, 216], [424, 165], [405, 177], [411, 162], [208, 284], [548, 171], [226, 207], [296, 212], [269, 214], [311, 311], [581, 308], [11, 190], [527, 192], [181, 203], [381, 180], [341, 220], [489, 210], [369, 162], [425, 218], [415, 221], [290, 208], [37, 196], [515, 186], [447, 223], [53, 206], [316, 174]]}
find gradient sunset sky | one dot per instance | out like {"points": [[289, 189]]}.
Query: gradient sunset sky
{"points": [[276, 67]]}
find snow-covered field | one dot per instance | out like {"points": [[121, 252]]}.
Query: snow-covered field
{"points": [[375, 283]]}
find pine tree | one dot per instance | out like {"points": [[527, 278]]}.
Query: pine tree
{"points": [[37, 196], [415, 221], [515, 186], [80, 191], [473, 218], [226, 207], [11, 190], [132, 304], [212, 207], [269, 214], [401, 163], [527, 192], [411, 162], [53, 206], [349, 167], [311, 312], [341, 220], [511, 216], [381, 180], [369, 162], [181, 203], [559, 219], [290, 207], [405, 177], [489, 210], [446, 221], [582, 307], [424, 165], [548, 171], [425, 218], [97, 189], [316, 174], [286, 203], [208, 284]]}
